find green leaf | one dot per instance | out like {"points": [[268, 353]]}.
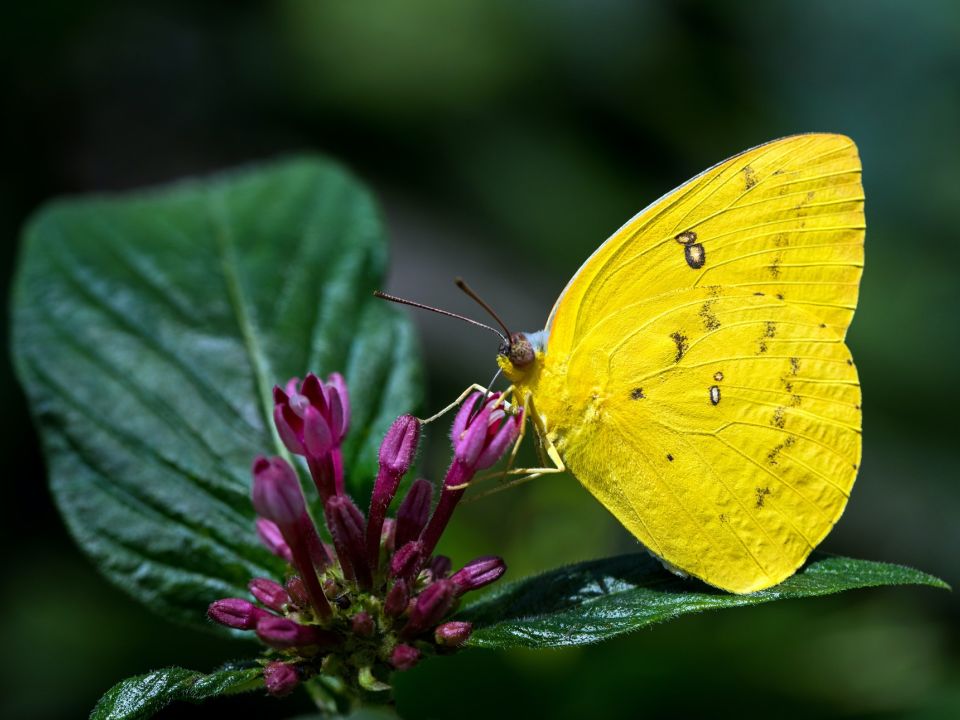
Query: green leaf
{"points": [[149, 329], [144, 695], [601, 599]]}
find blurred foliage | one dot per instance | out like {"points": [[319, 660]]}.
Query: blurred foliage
{"points": [[507, 140]]}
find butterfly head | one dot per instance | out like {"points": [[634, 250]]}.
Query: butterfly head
{"points": [[518, 357]]}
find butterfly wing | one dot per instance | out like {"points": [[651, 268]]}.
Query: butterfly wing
{"points": [[748, 273]]}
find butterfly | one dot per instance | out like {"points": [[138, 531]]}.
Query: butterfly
{"points": [[693, 374]]}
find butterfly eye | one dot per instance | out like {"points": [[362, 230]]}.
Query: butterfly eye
{"points": [[520, 351]]}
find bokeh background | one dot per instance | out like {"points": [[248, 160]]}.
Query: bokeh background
{"points": [[505, 141]]}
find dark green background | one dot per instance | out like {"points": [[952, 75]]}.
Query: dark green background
{"points": [[505, 141]]}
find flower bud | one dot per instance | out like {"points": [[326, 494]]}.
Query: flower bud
{"points": [[397, 600], [480, 437], [396, 455], [430, 607], [399, 446], [478, 573], [313, 420], [363, 625], [236, 613], [413, 512], [452, 634], [271, 537], [280, 678], [270, 593], [407, 560], [404, 657], [346, 525], [283, 633], [276, 491]]}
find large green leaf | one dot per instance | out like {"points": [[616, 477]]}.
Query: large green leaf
{"points": [[149, 329], [597, 600], [144, 695]]}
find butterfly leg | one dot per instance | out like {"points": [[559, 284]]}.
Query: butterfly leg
{"points": [[463, 396]]}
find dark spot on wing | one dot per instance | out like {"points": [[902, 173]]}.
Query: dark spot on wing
{"points": [[669, 457], [761, 495], [778, 419], [710, 321], [718, 376], [823, 325], [769, 331], [774, 454], [794, 365], [854, 466], [714, 394], [637, 394], [779, 296], [796, 401], [687, 237], [681, 342], [695, 255], [722, 517], [774, 267], [778, 171], [749, 177], [857, 407], [759, 294], [849, 361]]}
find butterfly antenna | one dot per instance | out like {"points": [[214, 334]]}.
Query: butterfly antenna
{"points": [[482, 303], [411, 303]]}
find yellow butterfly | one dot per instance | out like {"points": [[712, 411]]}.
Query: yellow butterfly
{"points": [[693, 374]]}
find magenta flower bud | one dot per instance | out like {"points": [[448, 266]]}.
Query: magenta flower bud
{"points": [[313, 419], [269, 593], [271, 537], [430, 607], [280, 678], [276, 491], [283, 633], [481, 437], [407, 560], [404, 657], [236, 613], [477, 573], [397, 599], [399, 446], [346, 525], [363, 625], [452, 634], [413, 512], [440, 566], [396, 455]]}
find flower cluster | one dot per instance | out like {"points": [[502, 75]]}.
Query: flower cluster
{"points": [[375, 598]]}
